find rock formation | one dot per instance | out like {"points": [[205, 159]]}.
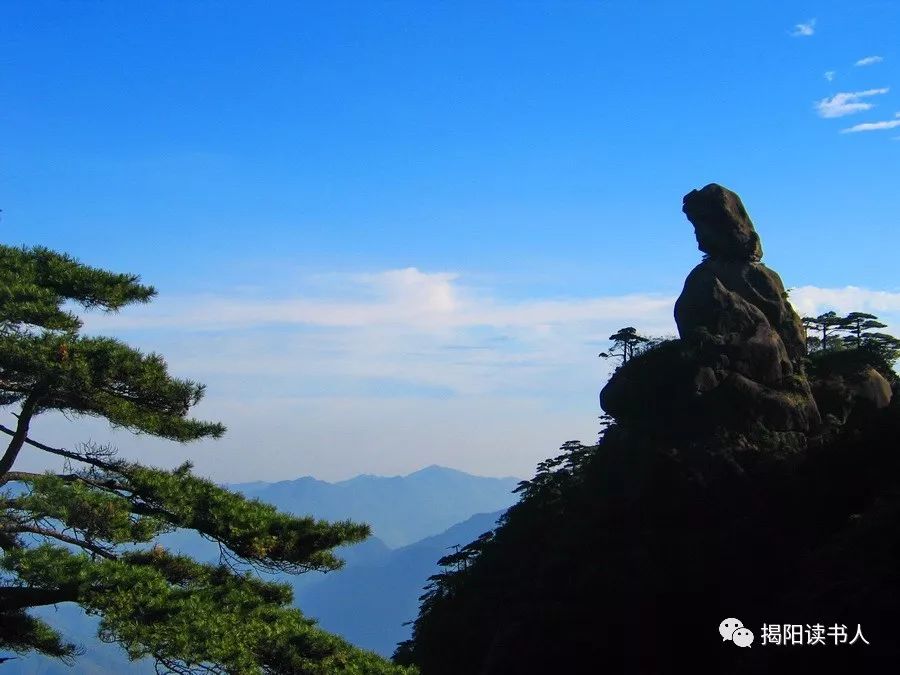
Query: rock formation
{"points": [[721, 224], [718, 488], [847, 388], [739, 361]]}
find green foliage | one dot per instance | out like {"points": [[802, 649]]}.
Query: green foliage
{"points": [[251, 529], [34, 284], [159, 605], [85, 535], [101, 377], [20, 632], [100, 515]]}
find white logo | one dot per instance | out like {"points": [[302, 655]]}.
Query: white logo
{"points": [[728, 626], [742, 637], [733, 629]]}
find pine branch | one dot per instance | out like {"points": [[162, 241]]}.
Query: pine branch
{"points": [[20, 435], [13, 598], [87, 458], [59, 536]]}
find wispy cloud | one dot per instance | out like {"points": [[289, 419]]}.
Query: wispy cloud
{"points": [[847, 103], [804, 29], [395, 370], [383, 365], [406, 330], [428, 301], [410, 330], [873, 126], [814, 299], [829, 75], [869, 60]]}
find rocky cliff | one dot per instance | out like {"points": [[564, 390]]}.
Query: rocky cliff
{"points": [[739, 479]]}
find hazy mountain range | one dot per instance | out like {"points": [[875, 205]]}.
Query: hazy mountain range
{"points": [[400, 509], [415, 520]]}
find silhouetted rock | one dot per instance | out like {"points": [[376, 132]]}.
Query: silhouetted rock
{"points": [[721, 224], [716, 492], [738, 363], [753, 282], [850, 385], [853, 394], [666, 380]]}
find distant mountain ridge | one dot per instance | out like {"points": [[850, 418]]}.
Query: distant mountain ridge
{"points": [[400, 509]]}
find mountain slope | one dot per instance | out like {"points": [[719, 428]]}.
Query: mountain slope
{"points": [[719, 491], [368, 604]]}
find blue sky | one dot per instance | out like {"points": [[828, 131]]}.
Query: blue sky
{"points": [[391, 234]]}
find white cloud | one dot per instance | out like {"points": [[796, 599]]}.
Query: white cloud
{"points": [[804, 29], [387, 372], [814, 300], [829, 75], [427, 301], [869, 60], [847, 103], [873, 126], [404, 332]]}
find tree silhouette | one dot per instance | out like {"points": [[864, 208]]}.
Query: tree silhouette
{"points": [[884, 345], [625, 341], [826, 325], [860, 327], [857, 322]]}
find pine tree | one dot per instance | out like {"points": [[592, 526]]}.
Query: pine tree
{"points": [[883, 345], [86, 535], [857, 322], [826, 326], [625, 342]]}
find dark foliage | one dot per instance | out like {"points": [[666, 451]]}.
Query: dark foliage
{"points": [[625, 556]]}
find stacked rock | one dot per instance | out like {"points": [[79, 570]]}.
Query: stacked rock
{"points": [[738, 363]]}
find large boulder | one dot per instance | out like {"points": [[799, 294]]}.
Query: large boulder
{"points": [[698, 385], [738, 364], [665, 380], [753, 282], [859, 394], [848, 386], [736, 329], [746, 404], [721, 224]]}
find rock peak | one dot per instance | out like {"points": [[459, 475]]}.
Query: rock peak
{"points": [[721, 224], [738, 363]]}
